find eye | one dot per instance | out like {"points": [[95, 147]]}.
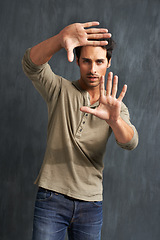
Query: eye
{"points": [[86, 60], [99, 61]]}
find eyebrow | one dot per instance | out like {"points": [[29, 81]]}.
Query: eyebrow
{"points": [[86, 58], [99, 59]]}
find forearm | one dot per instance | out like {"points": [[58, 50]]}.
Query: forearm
{"points": [[122, 131], [42, 52]]}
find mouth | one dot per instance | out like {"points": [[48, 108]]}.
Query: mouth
{"points": [[92, 77]]}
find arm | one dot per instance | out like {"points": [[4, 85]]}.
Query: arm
{"points": [[109, 110], [35, 59], [70, 37]]}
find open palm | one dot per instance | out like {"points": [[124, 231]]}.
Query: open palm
{"points": [[79, 34], [109, 106]]}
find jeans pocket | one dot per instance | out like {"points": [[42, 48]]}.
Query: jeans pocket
{"points": [[43, 195], [97, 203]]}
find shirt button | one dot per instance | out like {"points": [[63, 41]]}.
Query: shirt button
{"points": [[86, 114], [80, 130], [84, 122]]}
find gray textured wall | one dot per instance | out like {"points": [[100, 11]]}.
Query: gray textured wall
{"points": [[131, 179]]}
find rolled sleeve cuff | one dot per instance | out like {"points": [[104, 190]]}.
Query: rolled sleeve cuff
{"points": [[27, 64], [132, 144]]}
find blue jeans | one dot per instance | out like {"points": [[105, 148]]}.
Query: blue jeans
{"points": [[55, 213]]}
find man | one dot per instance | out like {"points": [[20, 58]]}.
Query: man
{"points": [[81, 117]]}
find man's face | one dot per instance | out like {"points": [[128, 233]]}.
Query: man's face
{"points": [[93, 64]]}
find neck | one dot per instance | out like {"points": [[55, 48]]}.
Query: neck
{"points": [[93, 92]]}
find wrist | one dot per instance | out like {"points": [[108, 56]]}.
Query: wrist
{"points": [[62, 38], [114, 122], [56, 43]]}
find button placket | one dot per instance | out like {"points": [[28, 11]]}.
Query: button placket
{"points": [[82, 125], [84, 118]]}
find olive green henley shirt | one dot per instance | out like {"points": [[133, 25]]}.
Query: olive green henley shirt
{"points": [[76, 141]]}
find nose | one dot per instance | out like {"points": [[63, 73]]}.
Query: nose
{"points": [[93, 68]]}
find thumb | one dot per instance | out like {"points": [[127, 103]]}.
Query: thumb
{"points": [[70, 55], [87, 110]]}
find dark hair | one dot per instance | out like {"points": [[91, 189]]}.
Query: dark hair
{"points": [[109, 47]]}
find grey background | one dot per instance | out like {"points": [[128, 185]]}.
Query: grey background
{"points": [[131, 179]]}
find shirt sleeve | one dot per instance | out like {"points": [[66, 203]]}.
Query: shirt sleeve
{"points": [[132, 144], [43, 78]]}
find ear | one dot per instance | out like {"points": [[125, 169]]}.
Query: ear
{"points": [[77, 61], [109, 63]]}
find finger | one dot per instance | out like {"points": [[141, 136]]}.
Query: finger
{"points": [[101, 86], [96, 30], [109, 84], [90, 24], [115, 84], [96, 43], [122, 94], [99, 35], [87, 110], [70, 55]]}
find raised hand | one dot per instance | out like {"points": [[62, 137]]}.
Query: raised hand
{"points": [[109, 106], [78, 34]]}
